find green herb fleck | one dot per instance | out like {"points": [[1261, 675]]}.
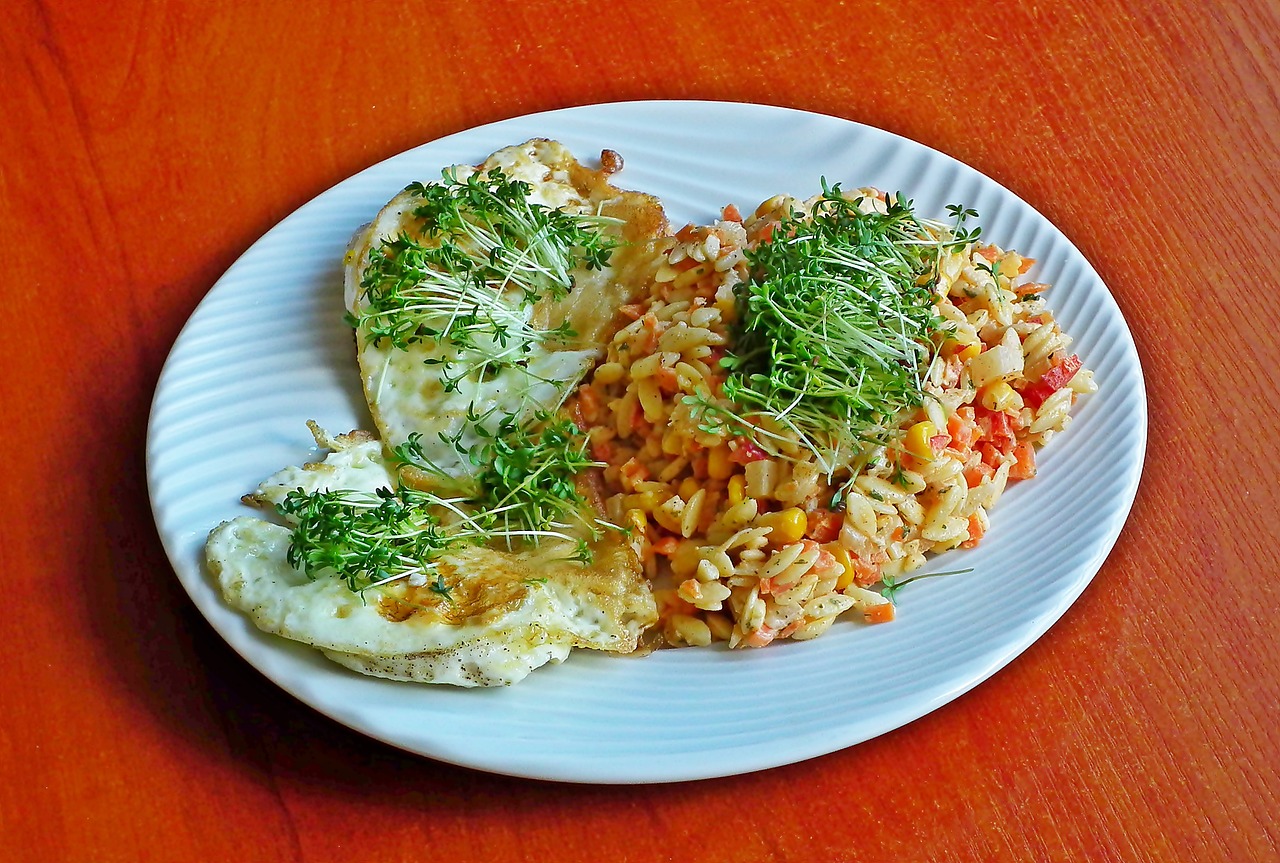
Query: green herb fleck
{"points": [[893, 585]]}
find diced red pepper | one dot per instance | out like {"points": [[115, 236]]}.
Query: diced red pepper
{"points": [[995, 428], [746, 451], [961, 427], [1051, 381]]}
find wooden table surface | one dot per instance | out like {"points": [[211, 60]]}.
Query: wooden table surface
{"points": [[145, 146]]}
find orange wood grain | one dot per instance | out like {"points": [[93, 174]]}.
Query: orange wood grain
{"points": [[144, 146]]}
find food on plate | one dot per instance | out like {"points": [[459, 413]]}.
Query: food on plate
{"points": [[445, 612], [488, 294], [593, 432], [812, 399], [460, 545]]}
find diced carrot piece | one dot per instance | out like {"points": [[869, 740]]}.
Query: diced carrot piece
{"points": [[761, 636], [824, 525], [651, 328], [974, 476], [882, 613], [961, 427], [865, 573], [995, 428], [1024, 466], [991, 456], [976, 531], [667, 379], [633, 472], [632, 310], [589, 402], [666, 546], [731, 213]]}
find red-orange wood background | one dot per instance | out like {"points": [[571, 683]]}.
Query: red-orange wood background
{"points": [[144, 146]]}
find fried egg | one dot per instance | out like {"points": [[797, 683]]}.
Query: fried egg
{"points": [[406, 388], [507, 611], [510, 612]]}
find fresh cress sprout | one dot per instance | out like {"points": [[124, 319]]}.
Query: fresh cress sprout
{"points": [[525, 492], [463, 283], [892, 586], [369, 539], [489, 252], [838, 322], [525, 486]]}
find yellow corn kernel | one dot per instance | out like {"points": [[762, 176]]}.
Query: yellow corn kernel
{"points": [[968, 352], [737, 489], [917, 441], [636, 521], [645, 501], [718, 464], [999, 396], [689, 487], [957, 340], [841, 554], [788, 525]]}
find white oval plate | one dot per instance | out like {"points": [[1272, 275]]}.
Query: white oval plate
{"points": [[267, 350]]}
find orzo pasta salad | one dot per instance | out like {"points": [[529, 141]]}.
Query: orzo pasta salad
{"points": [[811, 400]]}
